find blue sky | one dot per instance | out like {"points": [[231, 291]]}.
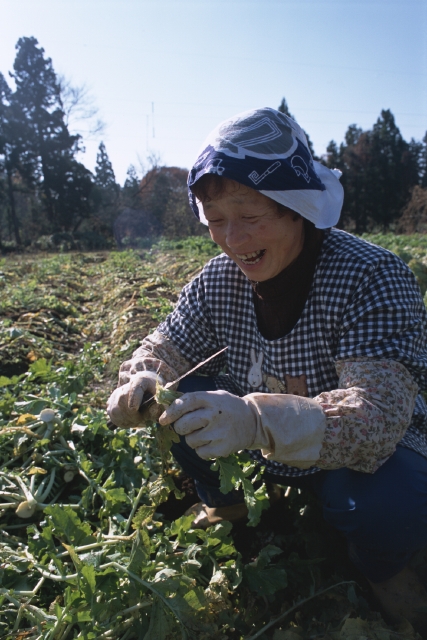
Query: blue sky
{"points": [[163, 73]]}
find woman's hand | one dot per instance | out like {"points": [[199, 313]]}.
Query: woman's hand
{"points": [[129, 368], [123, 404], [214, 423]]}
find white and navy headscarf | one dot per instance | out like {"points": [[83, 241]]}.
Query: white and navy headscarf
{"points": [[268, 151]]}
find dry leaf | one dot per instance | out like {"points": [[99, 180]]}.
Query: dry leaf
{"points": [[26, 417]]}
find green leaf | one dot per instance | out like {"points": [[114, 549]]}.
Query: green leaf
{"points": [[138, 555], [256, 502], [262, 577], [165, 437], [143, 517], [196, 599], [266, 554], [40, 368], [233, 473], [82, 616], [133, 441], [160, 622], [229, 472], [88, 583], [116, 497], [73, 555], [87, 498], [66, 525], [161, 488], [265, 582], [166, 396]]}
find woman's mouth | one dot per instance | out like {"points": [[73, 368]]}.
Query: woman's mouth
{"points": [[251, 258]]}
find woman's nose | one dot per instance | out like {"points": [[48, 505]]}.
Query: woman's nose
{"points": [[236, 235]]}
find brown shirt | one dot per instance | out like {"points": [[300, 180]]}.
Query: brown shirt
{"points": [[279, 301]]}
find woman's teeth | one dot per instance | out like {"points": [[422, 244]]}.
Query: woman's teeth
{"points": [[251, 258]]}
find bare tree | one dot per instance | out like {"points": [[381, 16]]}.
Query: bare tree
{"points": [[81, 112]]}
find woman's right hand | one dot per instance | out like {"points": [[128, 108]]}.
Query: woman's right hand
{"points": [[123, 404]]}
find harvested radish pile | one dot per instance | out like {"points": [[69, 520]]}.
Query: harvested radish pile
{"points": [[93, 543]]}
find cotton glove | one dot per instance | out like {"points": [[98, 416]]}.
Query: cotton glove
{"points": [[286, 428], [143, 363], [214, 423], [291, 428], [123, 404]]}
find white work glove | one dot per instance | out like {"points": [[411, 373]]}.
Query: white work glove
{"points": [[214, 423], [286, 428], [146, 364], [123, 404]]}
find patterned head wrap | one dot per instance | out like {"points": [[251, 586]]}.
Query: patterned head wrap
{"points": [[268, 151]]}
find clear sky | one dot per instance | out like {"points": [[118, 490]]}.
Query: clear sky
{"points": [[163, 73]]}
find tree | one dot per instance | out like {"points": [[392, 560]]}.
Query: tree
{"points": [[393, 170], [163, 195], [80, 111], [11, 153], [106, 192], [379, 171], [47, 153], [283, 108], [71, 183], [414, 216], [104, 174], [423, 162]]}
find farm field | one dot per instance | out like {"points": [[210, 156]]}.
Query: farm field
{"points": [[93, 544]]}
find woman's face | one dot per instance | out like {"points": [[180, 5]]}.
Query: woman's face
{"points": [[246, 225]]}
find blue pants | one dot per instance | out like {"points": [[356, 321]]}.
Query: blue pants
{"points": [[382, 515]]}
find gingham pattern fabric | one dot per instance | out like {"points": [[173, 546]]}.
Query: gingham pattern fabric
{"points": [[364, 302]]}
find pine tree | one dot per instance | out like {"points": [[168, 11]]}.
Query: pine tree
{"points": [[106, 192], [104, 174], [379, 171], [9, 159], [45, 147], [423, 162], [283, 108], [130, 191]]}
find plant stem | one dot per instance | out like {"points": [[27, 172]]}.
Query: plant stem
{"points": [[134, 507]]}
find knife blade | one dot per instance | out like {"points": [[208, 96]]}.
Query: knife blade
{"points": [[148, 401]]}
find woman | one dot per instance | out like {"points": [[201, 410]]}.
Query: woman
{"points": [[326, 353]]}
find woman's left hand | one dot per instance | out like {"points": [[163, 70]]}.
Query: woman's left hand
{"points": [[214, 423]]}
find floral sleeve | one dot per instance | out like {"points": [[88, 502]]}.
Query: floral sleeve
{"points": [[367, 415]]}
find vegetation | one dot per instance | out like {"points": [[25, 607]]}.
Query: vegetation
{"points": [[93, 543], [50, 200], [380, 171]]}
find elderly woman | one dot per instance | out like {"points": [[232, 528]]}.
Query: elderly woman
{"points": [[326, 353]]}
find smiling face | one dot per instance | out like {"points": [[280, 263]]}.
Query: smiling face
{"points": [[248, 228]]}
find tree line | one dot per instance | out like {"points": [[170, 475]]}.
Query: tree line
{"points": [[384, 176], [46, 192], [45, 189]]}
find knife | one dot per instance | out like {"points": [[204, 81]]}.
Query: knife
{"points": [[148, 398]]}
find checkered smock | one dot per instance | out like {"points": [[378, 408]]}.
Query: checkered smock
{"points": [[364, 302]]}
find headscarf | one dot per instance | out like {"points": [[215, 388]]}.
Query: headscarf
{"points": [[268, 151]]}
